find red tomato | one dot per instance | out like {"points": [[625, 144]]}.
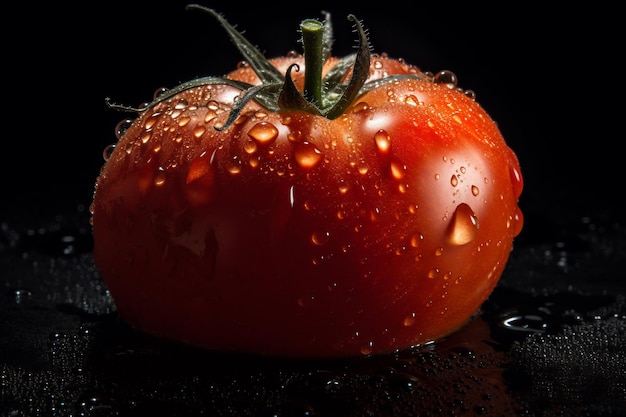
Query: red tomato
{"points": [[302, 228]]}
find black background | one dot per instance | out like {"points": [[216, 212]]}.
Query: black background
{"points": [[549, 76]]}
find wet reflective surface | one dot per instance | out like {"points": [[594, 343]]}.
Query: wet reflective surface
{"points": [[550, 341]]}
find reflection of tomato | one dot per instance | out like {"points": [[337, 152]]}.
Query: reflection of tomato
{"points": [[307, 228]]}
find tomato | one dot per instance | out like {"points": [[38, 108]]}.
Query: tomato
{"points": [[263, 213]]}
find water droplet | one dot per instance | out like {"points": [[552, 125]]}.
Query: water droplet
{"points": [[108, 151], [383, 141], [183, 121], [416, 240], [200, 181], [307, 155], [367, 348], [160, 177], [409, 320], [122, 127], [475, 190], [263, 133], [198, 131], [397, 169], [234, 165], [516, 180], [454, 181], [463, 226], [320, 238], [446, 77], [433, 273]]}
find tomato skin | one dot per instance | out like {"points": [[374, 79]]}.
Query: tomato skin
{"points": [[294, 235]]}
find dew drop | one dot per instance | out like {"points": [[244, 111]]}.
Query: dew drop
{"points": [[463, 226], [234, 166], [416, 240], [160, 177], [409, 320], [183, 121], [433, 273], [199, 131], [383, 141], [397, 169], [250, 147], [307, 155], [200, 181], [108, 151], [367, 348], [122, 127], [454, 181], [446, 77], [263, 133], [516, 180], [320, 238], [475, 190]]}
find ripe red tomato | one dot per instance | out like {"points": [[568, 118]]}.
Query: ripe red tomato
{"points": [[371, 215]]}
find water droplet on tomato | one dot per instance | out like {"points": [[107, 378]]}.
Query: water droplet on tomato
{"points": [[433, 273], [463, 226], [307, 155], [383, 141], [446, 77], [200, 181], [409, 320], [198, 131], [516, 180], [320, 238], [160, 177], [475, 190], [122, 127], [367, 348], [397, 169], [263, 133], [454, 181], [234, 165], [108, 151]]}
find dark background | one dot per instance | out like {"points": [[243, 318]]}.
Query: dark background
{"points": [[549, 76]]}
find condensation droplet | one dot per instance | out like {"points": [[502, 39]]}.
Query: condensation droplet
{"points": [[446, 77], [263, 133], [454, 181], [200, 181], [516, 180], [409, 320], [416, 240], [234, 166], [397, 169], [383, 141], [199, 131], [320, 238], [463, 225], [160, 177], [122, 127], [475, 190], [367, 348], [307, 155], [433, 273], [108, 151]]}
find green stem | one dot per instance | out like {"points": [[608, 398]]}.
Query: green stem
{"points": [[313, 43]]}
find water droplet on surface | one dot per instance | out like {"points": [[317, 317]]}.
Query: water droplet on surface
{"points": [[397, 169], [475, 190], [108, 151], [454, 181], [446, 77], [367, 348], [409, 320], [263, 133], [198, 131], [307, 155], [122, 127], [383, 141], [320, 238], [463, 226]]}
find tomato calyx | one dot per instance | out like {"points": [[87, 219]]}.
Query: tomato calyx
{"points": [[328, 96]]}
